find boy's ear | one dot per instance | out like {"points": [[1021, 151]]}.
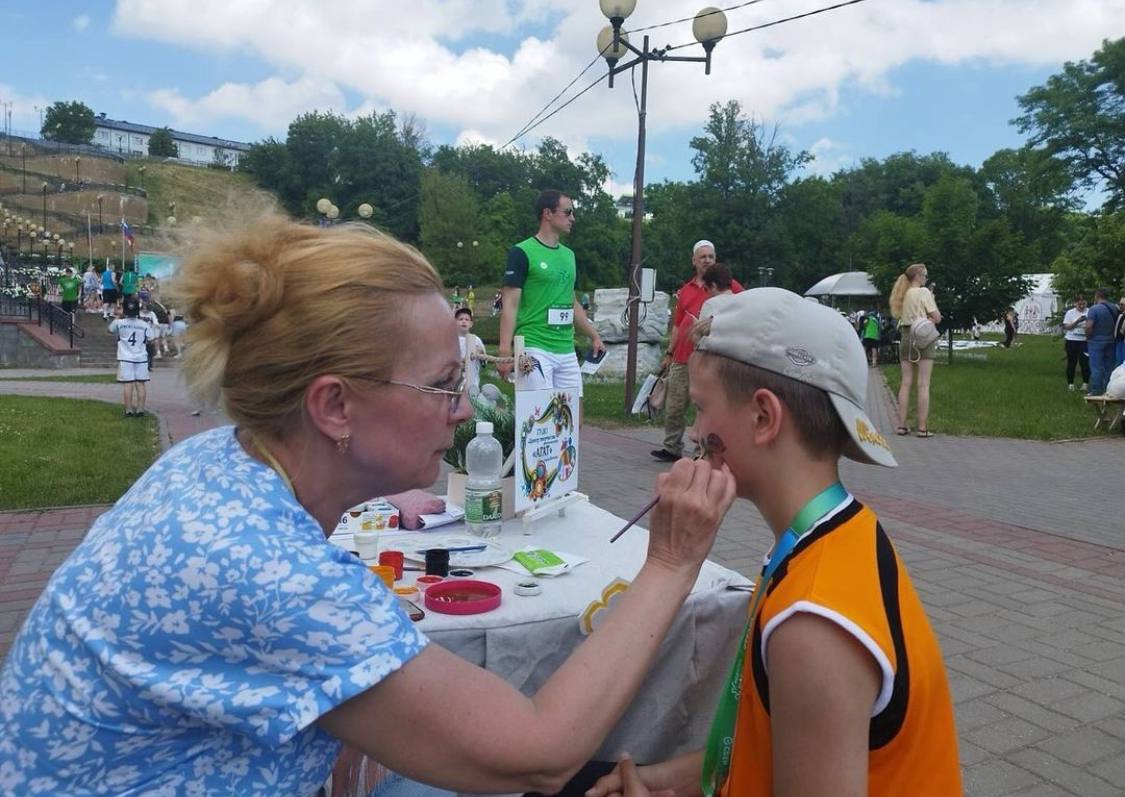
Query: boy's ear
{"points": [[766, 416]]}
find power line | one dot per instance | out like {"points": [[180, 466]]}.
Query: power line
{"points": [[772, 24], [529, 128], [566, 88], [698, 16], [531, 125]]}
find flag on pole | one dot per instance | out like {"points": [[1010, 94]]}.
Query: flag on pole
{"points": [[127, 232]]}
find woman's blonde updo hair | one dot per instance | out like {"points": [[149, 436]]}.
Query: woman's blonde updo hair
{"points": [[273, 304], [902, 285]]}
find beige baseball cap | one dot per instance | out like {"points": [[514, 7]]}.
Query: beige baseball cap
{"points": [[781, 332]]}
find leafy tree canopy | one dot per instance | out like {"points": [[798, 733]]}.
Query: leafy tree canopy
{"points": [[160, 144], [68, 122]]}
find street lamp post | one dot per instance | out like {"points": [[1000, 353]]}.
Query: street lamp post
{"points": [[23, 156], [44, 203], [709, 26], [100, 228], [78, 169], [327, 210], [141, 171]]}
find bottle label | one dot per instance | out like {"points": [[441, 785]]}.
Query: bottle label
{"points": [[483, 506]]}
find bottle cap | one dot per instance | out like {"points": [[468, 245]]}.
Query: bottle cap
{"points": [[484, 427]]}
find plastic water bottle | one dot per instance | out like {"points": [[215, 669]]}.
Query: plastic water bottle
{"points": [[484, 496]]}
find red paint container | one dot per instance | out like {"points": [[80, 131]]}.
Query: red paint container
{"points": [[394, 559]]}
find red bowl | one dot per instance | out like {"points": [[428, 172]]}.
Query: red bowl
{"points": [[462, 597]]}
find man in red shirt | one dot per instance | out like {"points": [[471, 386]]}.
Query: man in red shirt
{"points": [[689, 301]]}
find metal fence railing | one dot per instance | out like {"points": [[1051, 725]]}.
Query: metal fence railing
{"points": [[58, 320], [43, 313], [10, 146]]}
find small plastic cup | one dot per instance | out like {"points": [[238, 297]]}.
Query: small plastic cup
{"points": [[385, 572], [366, 543]]}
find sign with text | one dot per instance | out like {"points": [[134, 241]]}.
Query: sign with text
{"points": [[546, 446]]}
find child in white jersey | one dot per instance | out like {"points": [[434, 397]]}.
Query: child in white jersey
{"points": [[132, 355], [471, 348]]}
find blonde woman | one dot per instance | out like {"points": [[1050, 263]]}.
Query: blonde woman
{"points": [[911, 301], [206, 638]]}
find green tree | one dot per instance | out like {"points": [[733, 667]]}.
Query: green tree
{"points": [[678, 221], [897, 184], [1094, 259], [1078, 116], [370, 159], [972, 260], [885, 244], [160, 144], [1032, 191], [68, 122], [808, 228], [449, 214], [742, 170], [488, 170]]}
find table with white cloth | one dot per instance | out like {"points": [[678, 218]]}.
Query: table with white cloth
{"points": [[527, 638]]}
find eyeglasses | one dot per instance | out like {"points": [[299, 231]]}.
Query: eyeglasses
{"points": [[565, 211], [455, 394]]}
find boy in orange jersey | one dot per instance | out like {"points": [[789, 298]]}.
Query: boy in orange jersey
{"points": [[839, 687]]}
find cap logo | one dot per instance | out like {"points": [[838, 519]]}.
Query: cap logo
{"points": [[868, 435], [800, 357]]}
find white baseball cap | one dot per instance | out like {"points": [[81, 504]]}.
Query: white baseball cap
{"points": [[780, 332]]}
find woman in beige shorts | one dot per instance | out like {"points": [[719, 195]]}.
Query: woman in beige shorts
{"points": [[911, 300]]}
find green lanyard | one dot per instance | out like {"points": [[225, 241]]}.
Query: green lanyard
{"points": [[720, 741]]}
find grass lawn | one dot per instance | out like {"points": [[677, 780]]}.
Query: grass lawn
{"points": [[100, 379], [63, 452], [1018, 392]]}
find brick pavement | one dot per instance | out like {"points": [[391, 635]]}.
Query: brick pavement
{"points": [[1014, 546]]}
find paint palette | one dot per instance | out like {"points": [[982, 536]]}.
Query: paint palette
{"points": [[414, 546]]}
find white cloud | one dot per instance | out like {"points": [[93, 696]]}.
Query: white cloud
{"points": [[410, 56], [829, 157], [273, 103], [80, 22]]}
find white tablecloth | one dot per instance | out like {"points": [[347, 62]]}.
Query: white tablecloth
{"points": [[526, 639]]}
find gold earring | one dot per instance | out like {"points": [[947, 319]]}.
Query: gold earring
{"points": [[343, 442]]}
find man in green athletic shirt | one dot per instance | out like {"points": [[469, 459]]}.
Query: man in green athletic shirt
{"points": [[539, 303]]}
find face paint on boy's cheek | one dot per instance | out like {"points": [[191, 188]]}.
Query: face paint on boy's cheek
{"points": [[713, 446]]}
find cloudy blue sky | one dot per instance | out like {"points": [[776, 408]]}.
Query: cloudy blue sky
{"points": [[864, 81]]}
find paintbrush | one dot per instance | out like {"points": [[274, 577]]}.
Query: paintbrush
{"points": [[712, 444]]}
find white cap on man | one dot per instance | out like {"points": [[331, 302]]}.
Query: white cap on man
{"points": [[700, 244]]}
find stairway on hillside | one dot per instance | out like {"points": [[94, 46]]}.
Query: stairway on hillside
{"points": [[99, 349]]}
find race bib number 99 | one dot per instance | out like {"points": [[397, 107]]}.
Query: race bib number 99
{"points": [[560, 316]]}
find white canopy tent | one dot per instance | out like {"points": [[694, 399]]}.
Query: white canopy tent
{"points": [[847, 283], [1036, 309]]}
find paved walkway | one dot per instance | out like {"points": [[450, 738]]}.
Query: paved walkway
{"points": [[1018, 550]]}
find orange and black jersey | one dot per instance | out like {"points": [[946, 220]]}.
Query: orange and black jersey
{"points": [[846, 570]]}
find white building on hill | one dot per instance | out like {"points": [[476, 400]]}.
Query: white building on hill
{"points": [[129, 138]]}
